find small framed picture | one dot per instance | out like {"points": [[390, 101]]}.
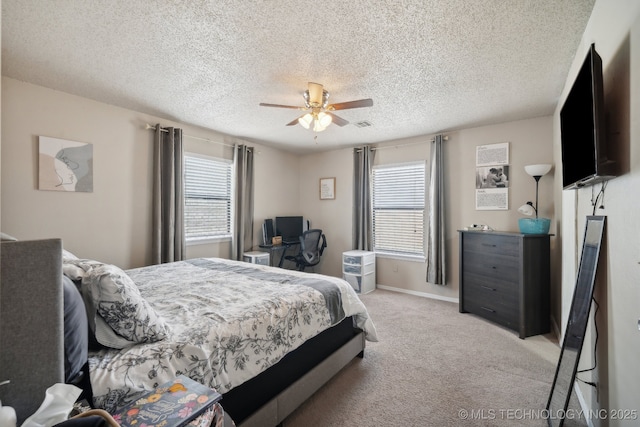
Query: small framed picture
{"points": [[327, 188]]}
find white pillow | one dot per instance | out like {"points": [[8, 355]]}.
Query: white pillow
{"points": [[116, 303], [72, 271], [68, 255]]}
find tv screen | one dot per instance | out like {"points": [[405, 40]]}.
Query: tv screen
{"points": [[582, 127], [289, 227]]}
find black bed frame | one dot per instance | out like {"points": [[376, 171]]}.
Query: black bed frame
{"points": [[267, 399]]}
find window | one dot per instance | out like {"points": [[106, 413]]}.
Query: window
{"points": [[207, 198], [398, 209]]}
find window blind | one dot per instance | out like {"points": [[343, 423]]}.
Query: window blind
{"points": [[207, 197], [398, 209]]}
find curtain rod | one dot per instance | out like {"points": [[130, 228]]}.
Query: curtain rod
{"points": [[446, 138], [151, 127]]}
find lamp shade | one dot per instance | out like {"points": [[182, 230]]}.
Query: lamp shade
{"points": [[537, 170], [526, 209]]}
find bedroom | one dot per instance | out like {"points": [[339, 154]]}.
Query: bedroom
{"points": [[120, 202]]}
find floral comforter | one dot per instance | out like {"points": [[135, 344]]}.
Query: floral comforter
{"points": [[228, 322]]}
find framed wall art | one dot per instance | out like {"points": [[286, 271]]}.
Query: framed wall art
{"points": [[492, 172], [327, 188], [65, 165]]}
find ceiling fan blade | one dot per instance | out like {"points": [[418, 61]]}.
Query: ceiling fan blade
{"points": [[262, 104], [351, 104], [337, 120]]}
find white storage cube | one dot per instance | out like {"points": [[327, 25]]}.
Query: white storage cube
{"points": [[256, 257], [359, 269]]}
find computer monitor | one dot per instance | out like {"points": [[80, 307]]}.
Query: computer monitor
{"points": [[289, 227]]}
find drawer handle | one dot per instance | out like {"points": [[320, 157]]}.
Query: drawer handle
{"points": [[490, 245], [488, 309], [488, 288]]}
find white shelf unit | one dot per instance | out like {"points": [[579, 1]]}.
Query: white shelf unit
{"points": [[256, 257], [359, 269]]}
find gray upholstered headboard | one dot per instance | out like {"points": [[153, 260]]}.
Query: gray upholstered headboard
{"points": [[31, 322]]}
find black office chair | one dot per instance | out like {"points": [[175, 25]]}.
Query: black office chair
{"points": [[312, 244]]}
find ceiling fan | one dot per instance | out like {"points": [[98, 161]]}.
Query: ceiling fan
{"points": [[319, 112]]}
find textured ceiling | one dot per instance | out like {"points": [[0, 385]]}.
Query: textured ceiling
{"points": [[428, 65]]}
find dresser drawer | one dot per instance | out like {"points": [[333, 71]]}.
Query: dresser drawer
{"points": [[361, 283], [504, 287], [488, 244], [498, 267], [358, 269], [358, 257], [492, 305], [496, 314], [505, 302]]}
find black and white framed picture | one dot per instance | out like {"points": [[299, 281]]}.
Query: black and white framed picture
{"points": [[492, 176]]}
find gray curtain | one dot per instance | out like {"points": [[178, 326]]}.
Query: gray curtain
{"points": [[168, 196], [362, 211], [436, 228], [243, 211]]}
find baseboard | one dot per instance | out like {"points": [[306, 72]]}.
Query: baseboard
{"points": [[418, 294]]}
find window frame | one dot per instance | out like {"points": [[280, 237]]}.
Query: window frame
{"points": [[210, 238], [385, 253]]}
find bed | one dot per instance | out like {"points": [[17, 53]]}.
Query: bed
{"points": [[264, 337]]}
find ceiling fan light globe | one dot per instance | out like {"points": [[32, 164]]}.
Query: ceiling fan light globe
{"points": [[324, 119], [317, 126], [305, 121]]}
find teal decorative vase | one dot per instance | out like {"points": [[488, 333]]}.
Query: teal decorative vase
{"points": [[534, 225]]}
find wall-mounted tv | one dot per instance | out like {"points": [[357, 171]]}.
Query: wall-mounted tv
{"points": [[582, 127]]}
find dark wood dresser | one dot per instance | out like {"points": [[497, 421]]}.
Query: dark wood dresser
{"points": [[504, 277]]}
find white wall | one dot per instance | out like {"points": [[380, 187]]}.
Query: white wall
{"points": [[334, 217], [111, 224], [277, 186], [530, 141], [614, 27]]}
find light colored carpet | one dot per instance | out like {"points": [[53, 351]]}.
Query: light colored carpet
{"points": [[434, 366]]}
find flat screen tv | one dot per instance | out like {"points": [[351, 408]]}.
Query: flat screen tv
{"points": [[582, 127]]}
